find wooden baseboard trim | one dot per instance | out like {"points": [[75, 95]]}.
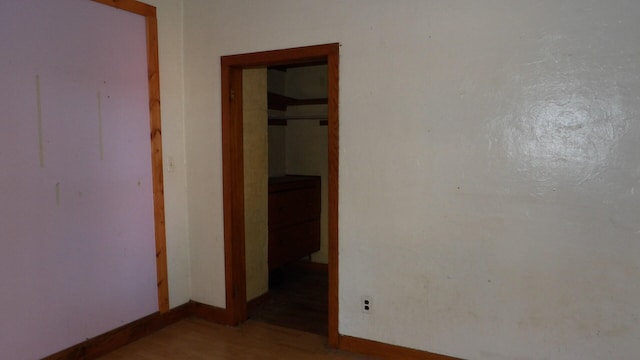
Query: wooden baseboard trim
{"points": [[211, 313], [114, 339], [386, 351]]}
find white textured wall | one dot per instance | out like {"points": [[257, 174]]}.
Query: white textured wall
{"points": [[170, 48], [488, 166]]}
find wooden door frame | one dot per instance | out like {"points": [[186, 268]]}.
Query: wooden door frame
{"points": [[155, 129], [233, 171]]}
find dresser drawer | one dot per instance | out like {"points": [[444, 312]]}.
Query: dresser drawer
{"points": [[293, 207], [293, 242], [294, 218]]}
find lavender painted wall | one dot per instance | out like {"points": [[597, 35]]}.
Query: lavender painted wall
{"points": [[76, 213]]}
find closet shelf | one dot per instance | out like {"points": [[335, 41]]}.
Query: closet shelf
{"points": [[281, 102]]}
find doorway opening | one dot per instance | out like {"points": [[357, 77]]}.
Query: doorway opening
{"points": [[234, 171], [286, 171]]}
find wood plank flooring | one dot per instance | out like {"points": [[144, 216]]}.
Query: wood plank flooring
{"points": [[195, 339]]}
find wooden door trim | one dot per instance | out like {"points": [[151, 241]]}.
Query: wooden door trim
{"points": [[233, 173], [153, 76]]}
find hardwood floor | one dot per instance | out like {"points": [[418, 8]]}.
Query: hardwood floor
{"points": [[290, 324], [297, 300], [196, 339]]}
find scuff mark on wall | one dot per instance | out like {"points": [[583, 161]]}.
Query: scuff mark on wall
{"points": [[58, 194], [100, 126], [39, 106]]}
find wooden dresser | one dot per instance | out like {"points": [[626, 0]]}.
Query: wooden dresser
{"points": [[294, 218]]}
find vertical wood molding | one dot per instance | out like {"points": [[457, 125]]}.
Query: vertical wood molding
{"points": [[153, 75], [233, 192], [239, 293], [156, 158], [333, 149], [227, 183]]}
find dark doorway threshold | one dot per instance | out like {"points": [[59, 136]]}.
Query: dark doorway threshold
{"points": [[297, 299]]}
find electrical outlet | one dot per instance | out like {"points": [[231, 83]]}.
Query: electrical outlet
{"points": [[367, 304]]}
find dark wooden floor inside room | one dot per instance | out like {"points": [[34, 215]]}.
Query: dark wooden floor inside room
{"points": [[297, 299]]}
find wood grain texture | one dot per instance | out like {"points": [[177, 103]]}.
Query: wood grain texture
{"points": [[200, 340], [387, 351], [334, 161], [294, 218], [233, 193], [133, 6], [228, 176], [300, 55], [114, 339], [207, 338], [153, 69], [155, 124]]}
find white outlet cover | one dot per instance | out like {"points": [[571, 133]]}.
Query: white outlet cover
{"points": [[367, 301]]}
